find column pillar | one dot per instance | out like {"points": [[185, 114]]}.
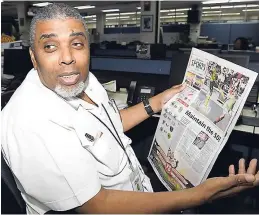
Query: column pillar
{"points": [[195, 28], [150, 21], [100, 23], [24, 24]]}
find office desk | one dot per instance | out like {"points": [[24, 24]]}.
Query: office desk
{"points": [[247, 112]]}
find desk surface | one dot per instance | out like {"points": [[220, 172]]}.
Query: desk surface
{"points": [[246, 128]]}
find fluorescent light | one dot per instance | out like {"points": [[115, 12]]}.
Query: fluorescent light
{"points": [[84, 7], [240, 6], [216, 7], [129, 13], [91, 21], [251, 10], [172, 14], [230, 14], [181, 16], [43, 4], [124, 17], [92, 16], [170, 17], [210, 14], [110, 10], [112, 14], [183, 9], [223, 14], [139, 8], [253, 5], [138, 12], [112, 17], [166, 17], [215, 11], [206, 8], [164, 11], [117, 17], [226, 7], [232, 1], [215, 1]]}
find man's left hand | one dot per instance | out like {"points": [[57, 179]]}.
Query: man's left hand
{"points": [[158, 101]]}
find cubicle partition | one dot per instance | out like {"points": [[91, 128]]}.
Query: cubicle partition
{"points": [[124, 70]]}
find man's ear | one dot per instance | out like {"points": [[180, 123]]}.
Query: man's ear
{"points": [[34, 62]]}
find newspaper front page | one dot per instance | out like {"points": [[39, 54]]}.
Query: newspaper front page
{"points": [[195, 124]]}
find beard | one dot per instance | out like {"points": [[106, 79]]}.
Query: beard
{"points": [[70, 92]]}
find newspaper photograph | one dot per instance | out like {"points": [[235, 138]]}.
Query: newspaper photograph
{"points": [[195, 124]]}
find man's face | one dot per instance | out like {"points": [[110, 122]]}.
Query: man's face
{"points": [[61, 56]]}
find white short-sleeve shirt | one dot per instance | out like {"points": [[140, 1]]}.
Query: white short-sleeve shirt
{"points": [[62, 152]]}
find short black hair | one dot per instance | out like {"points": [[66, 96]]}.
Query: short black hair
{"points": [[54, 11], [244, 43]]}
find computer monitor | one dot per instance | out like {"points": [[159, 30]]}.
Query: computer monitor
{"points": [[178, 68], [17, 62], [114, 52], [241, 60], [134, 65], [254, 56], [158, 51], [180, 62]]}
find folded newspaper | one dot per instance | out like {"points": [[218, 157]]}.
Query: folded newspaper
{"points": [[195, 124]]}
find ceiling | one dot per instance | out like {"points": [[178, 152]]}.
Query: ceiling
{"points": [[8, 8]]}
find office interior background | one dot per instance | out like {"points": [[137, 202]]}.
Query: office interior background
{"points": [[147, 44]]}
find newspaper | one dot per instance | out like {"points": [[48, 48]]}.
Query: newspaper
{"points": [[195, 124]]}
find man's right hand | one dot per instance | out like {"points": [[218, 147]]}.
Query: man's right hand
{"points": [[221, 187]]}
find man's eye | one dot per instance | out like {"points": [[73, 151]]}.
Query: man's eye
{"points": [[78, 44], [49, 47]]}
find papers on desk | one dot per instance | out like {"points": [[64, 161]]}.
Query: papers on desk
{"points": [[119, 97], [110, 86]]}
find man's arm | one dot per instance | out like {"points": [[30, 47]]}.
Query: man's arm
{"points": [[114, 201], [136, 114]]}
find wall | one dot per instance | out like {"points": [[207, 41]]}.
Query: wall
{"points": [[226, 33], [168, 38]]}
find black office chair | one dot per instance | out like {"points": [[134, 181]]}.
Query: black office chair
{"points": [[11, 201], [5, 97]]}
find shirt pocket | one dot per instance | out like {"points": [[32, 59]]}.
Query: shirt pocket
{"points": [[98, 140]]}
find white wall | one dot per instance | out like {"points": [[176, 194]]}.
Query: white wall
{"points": [[168, 38]]}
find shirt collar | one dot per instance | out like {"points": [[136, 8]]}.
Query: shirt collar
{"points": [[74, 102]]}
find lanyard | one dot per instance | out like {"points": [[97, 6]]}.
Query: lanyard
{"points": [[117, 137]]}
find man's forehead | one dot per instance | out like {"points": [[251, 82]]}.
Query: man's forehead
{"points": [[59, 26]]}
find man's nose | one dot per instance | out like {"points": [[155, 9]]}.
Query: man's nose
{"points": [[66, 57]]}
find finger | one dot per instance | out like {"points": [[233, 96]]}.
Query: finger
{"points": [[237, 180], [241, 166], [256, 183], [252, 167], [231, 170]]}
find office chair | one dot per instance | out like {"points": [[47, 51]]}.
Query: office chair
{"points": [[12, 201], [5, 97]]}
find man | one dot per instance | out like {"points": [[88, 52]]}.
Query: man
{"points": [[63, 139], [241, 43]]}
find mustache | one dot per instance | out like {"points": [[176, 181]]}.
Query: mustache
{"points": [[69, 73]]}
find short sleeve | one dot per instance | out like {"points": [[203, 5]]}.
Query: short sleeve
{"points": [[52, 166]]}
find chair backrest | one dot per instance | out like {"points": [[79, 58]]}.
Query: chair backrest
{"points": [[5, 97], [11, 192]]}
